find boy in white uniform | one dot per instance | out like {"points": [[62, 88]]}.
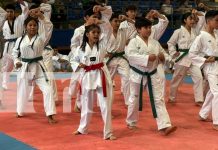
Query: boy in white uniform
{"points": [[117, 61], [144, 55], [204, 54], [12, 29], [184, 37], [131, 12]]}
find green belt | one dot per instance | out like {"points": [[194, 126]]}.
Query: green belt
{"points": [[185, 52], [216, 58], [33, 60], [115, 55], [148, 74]]}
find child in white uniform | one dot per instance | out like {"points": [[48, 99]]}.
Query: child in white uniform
{"points": [[48, 51], [117, 62], [27, 55], [94, 77], [204, 54], [144, 55], [91, 17], [12, 29], [184, 37]]}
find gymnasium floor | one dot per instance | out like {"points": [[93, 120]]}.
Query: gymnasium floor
{"points": [[33, 131]]}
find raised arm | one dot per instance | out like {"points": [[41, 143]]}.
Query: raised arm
{"points": [[160, 27], [19, 27], [25, 11], [47, 26], [76, 39], [201, 21], [106, 13], [46, 9]]}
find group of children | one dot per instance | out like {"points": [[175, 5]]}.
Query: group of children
{"points": [[110, 43]]}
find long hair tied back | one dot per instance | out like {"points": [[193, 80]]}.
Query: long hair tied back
{"points": [[85, 38]]}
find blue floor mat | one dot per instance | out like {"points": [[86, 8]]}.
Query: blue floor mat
{"points": [[187, 79], [9, 143]]}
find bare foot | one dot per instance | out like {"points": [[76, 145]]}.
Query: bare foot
{"points": [[171, 101], [51, 120], [199, 104], [76, 109], [215, 127], [76, 133], [169, 130], [112, 137], [19, 116], [131, 127], [205, 120]]}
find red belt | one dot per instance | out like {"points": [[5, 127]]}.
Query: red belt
{"points": [[103, 78]]}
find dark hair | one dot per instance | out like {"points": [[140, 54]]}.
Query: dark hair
{"points": [[88, 4], [33, 6], [29, 18], [114, 15], [185, 16], [10, 6], [131, 7], [144, 14], [211, 14], [89, 12], [37, 2], [85, 38], [142, 22]]}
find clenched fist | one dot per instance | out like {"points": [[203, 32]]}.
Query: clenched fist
{"points": [[152, 57], [18, 65]]}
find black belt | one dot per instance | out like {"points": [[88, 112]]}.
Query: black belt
{"points": [[35, 60], [216, 58], [9, 41], [148, 74], [115, 55], [185, 52]]}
